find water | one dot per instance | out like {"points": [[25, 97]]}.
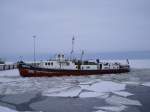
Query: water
{"points": [[125, 92]]}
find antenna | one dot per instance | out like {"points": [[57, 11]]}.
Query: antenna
{"points": [[34, 37]]}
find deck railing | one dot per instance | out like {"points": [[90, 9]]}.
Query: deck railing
{"points": [[7, 66]]}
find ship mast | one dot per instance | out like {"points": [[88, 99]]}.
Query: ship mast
{"points": [[34, 37], [82, 53], [72, 50]]}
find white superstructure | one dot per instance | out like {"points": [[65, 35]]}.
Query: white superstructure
{"points": [[61, 63], [58, 63]]}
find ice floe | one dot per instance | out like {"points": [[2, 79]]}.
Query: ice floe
{"points": [[117, 100], [18, 98], [95, 90], [99, 111], [91, 82], [146, 84], [5, 109], [123, 93], [131, 83], [94, 86], [91, 94], [112, 108], [104, 86], [70, 92]]}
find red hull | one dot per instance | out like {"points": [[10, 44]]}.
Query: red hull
{"points": [[38, 73]]}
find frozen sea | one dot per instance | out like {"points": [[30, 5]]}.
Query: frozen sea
{"points": [[126, 92]]}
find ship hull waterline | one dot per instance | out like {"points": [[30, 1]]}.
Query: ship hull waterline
{"points": [[44, 72]]}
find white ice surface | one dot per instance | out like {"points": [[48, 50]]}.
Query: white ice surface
{"points": [[146, 84], [5, 109], [91, 94], [90, 82], [70, 92], [117, 100], [112, 108], [6, 80], [13, 72], [104, 86], [123, 93], [131, 83], [95, 90], [66, 86]]}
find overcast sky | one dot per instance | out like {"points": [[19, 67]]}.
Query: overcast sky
{"points": [[98, 25]]}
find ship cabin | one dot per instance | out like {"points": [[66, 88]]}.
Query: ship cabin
{"points": [[60, 62]]}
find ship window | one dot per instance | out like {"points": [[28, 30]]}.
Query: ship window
{"points": [[48, 63], [67, 63], [58, 55], [45, 63], [62, 56], [52, 63], [87, 67]]}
